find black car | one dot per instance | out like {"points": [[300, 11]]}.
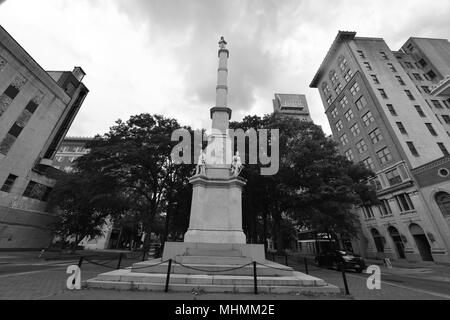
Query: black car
{"points": [[340, 260]]}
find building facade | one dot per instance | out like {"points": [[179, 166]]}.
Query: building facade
{"points": [[70, 150], [382, 114], [292, 105], [36, 111]]}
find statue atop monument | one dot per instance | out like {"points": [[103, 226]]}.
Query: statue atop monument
{"points": [[222, 43], [236, 165], [201, 165]]}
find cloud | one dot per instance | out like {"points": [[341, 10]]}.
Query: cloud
{"points": [[160, 56]]}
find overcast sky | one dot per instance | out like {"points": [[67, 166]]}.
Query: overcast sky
{"points": [[160, 56]]}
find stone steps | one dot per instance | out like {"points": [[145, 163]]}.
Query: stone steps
{"points": [[126, 280], [213, 253]]}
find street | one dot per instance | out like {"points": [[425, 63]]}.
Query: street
{"points": [[25, 276]]}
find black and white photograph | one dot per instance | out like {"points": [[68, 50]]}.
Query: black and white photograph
{"points": [[225, 159]]}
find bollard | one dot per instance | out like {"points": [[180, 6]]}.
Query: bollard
{"points": [[255, 278], [286, 259], [120, 260], [80, 262], [143, 256], [306, 266], [168, 275], [344, 277], [273, 257]]}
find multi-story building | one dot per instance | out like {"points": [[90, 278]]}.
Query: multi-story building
{"points": [[70, 150], [36, 111], [381, 113], [292, 105]]}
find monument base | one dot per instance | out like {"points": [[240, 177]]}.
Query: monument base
{"points": [[212, 268]]}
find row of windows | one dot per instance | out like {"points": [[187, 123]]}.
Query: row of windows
{"points": [[34, 190], [403, 202]]}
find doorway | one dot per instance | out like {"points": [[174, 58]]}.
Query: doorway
{"points": [[398, 242], [422, 242]]}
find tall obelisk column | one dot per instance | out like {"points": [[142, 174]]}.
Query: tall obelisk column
{"points": [[216, 211]]}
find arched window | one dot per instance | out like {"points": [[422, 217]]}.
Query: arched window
{"points": [[378, 239], [443, 201]]}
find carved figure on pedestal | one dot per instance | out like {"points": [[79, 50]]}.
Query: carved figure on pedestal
{"points": [[201, 165], [236, 165]]}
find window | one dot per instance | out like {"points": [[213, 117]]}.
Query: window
{"points": [[344, 102], [369, 164], [420, 111], [349, 155], [334, 113], [339, 125], [413, 149], [385, 208], [383, 93], [376, 184], [446, 118], [391, 109], [37, 191], [404, 202], [426, 89], [401, 127], [443, 148], [361, 54], [384, 155], [409, 94], [9, 183], [423, 63], [417, 76], [394, 178], [375, 136], [447, 103], [361, 103], [409, 65], [391, 67], [333, 77], [329, 101], [437, 104], [384, 55], [368, 66], [354, 88], [348, 75], [349, 115], [375, 79], [355, 130], [400, 80], [379, 240], [368, 119], [438, 119], [326, 89], [368, 212], [10, 93], [431, 75], [344, 139], [338, 88], [343, 64], [361, 146], [15, 130], [431, 129]]}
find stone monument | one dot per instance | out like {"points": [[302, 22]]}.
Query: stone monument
{"points": [[214, 256]]}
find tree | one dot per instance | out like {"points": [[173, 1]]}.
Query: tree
{"points": [[315, 186], [83, 203]]}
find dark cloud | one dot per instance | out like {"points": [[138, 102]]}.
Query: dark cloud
{"points": [[250, 27]]}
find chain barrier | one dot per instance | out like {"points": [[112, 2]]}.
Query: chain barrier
{"points": [[211, 271]]}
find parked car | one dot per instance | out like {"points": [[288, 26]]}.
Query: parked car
{"points": [[340, 260]]}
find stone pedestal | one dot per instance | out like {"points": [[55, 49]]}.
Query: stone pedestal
{"points": [[216, 211]]}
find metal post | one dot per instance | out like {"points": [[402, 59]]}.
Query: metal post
{"points": [[255, 278], [273, 256], [286, 259], [120, 260], [143, 256], [306, 266], [344, 277], [80, 262], [168, 275]]}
